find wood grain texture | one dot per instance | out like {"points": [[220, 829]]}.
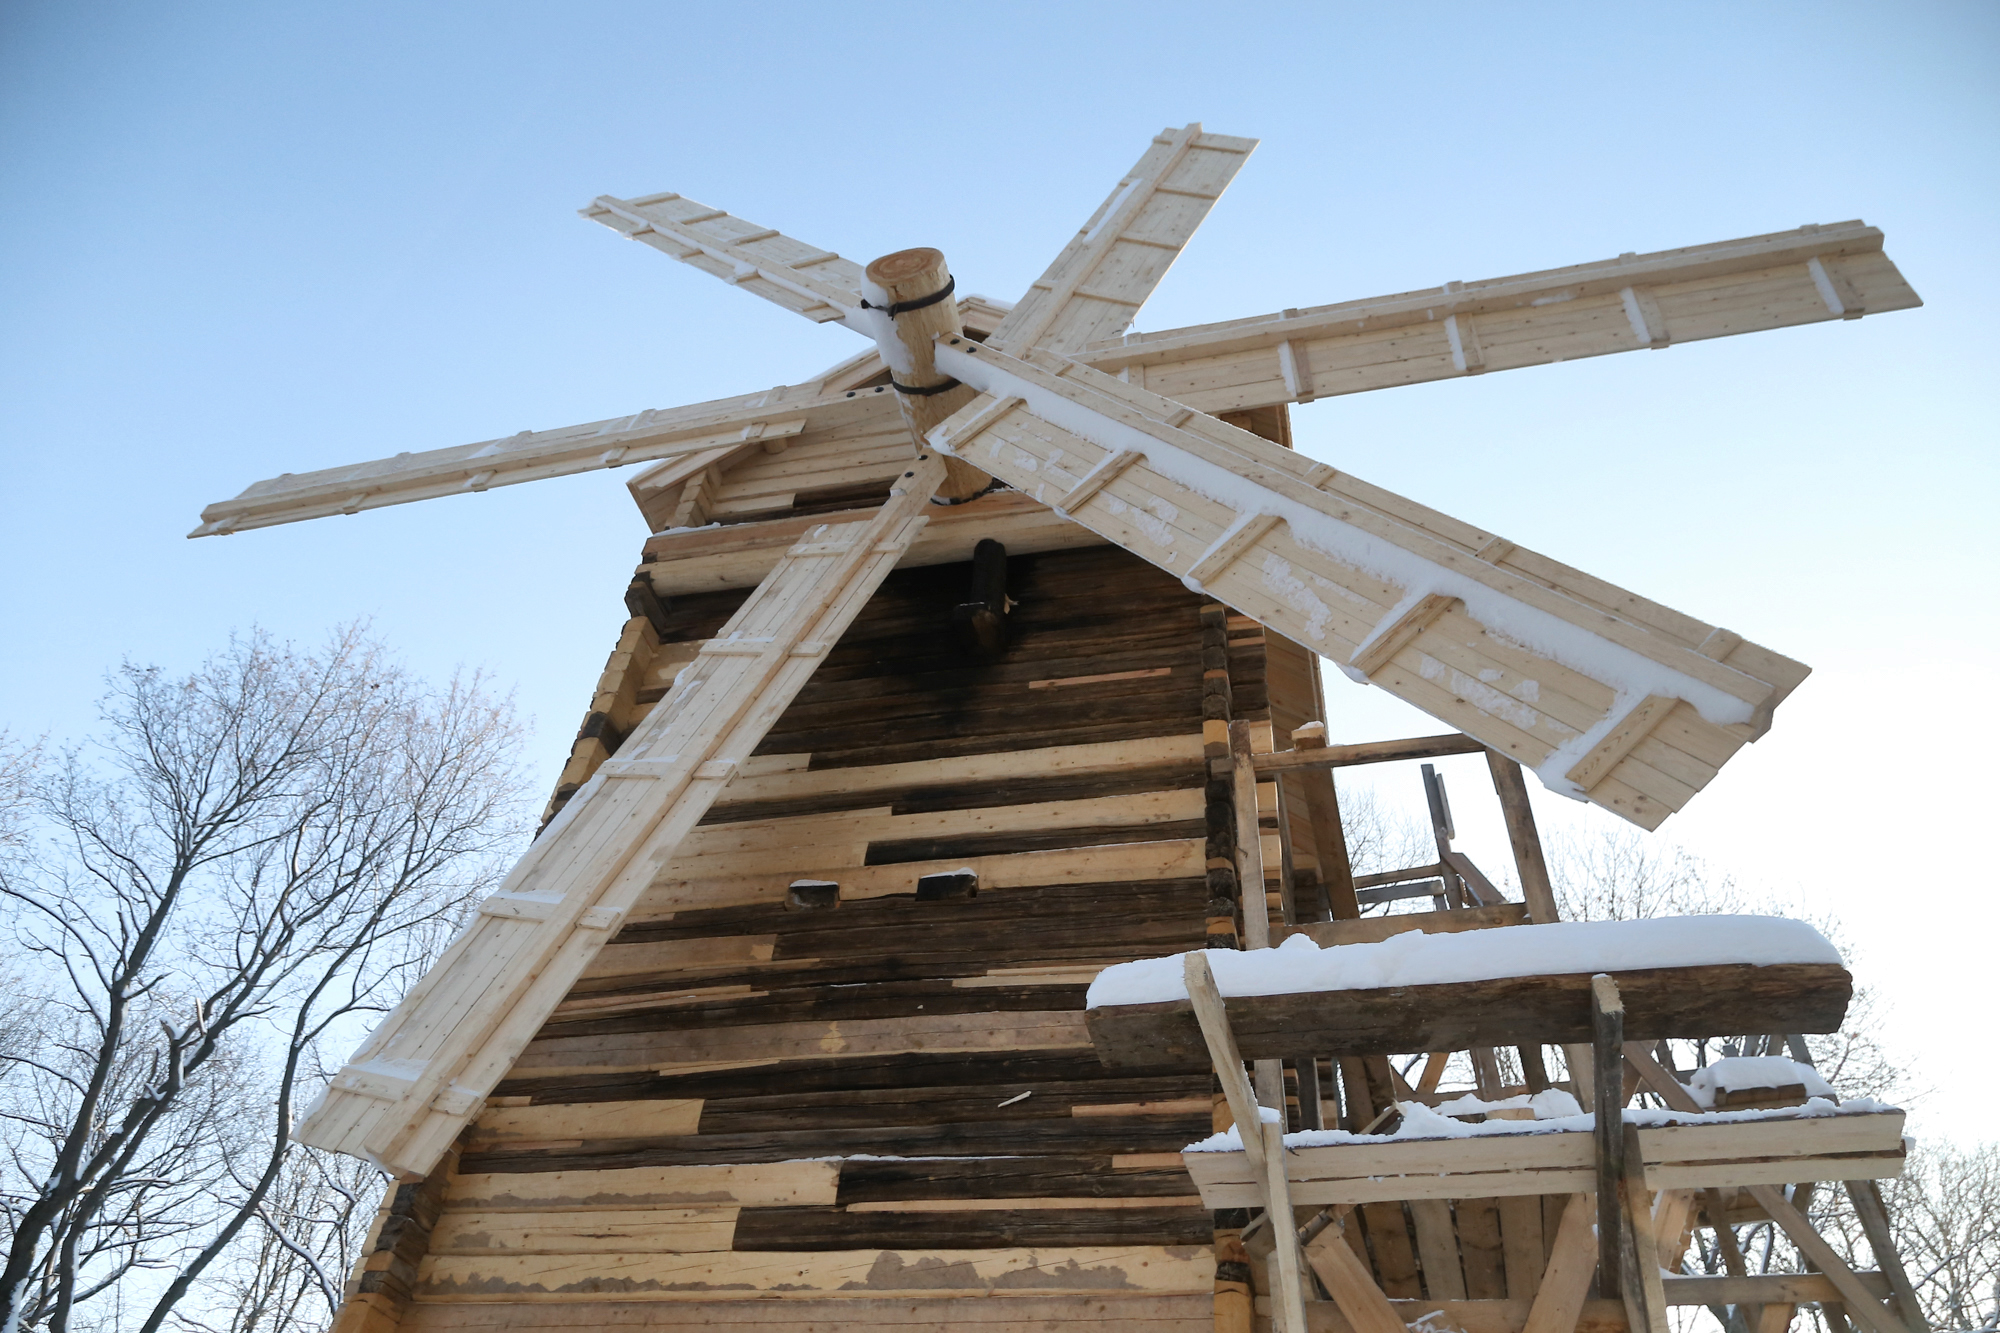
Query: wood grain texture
{"points": [[1660, 1002]]}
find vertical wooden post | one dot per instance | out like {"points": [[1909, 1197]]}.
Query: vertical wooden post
{"points": [[1607, 1021], [1249, 840], [1529, 865], [1311, 1114], [919, 279], [1645, 1298], [1441, 829], [1315, 786]]}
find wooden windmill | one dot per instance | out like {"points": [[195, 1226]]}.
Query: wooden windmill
{"points": [[1011, 601]]}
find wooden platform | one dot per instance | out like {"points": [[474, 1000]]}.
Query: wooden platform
{"points": [[1683, 1156], [1660, 1002]]}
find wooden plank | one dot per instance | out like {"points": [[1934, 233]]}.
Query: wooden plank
{"points": [[1106, 272], [1129, 862], [1607, 1073], [532, 455], [586, 1231], [1572, 1265], [1098, 759], [1507, 1165], [799, 1275], [1367, 752], [1394, 635], [1537, 891], [1528, 319], [1645, 1300], [935, 1312], [766, 1185], [1437, 1249], [1620, 741], [422, 1074], [1521, 1245], [1350, 1283], [587, 1120], [802, 278], [1861, 1303], [1660, 1002], [1482, 1247], [1163, 510], [633, 1052], [1250, 863], [740, 555], [1373, 930], [1788, 1288]]}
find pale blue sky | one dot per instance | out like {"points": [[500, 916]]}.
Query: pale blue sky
{"points": [[237, 240]]}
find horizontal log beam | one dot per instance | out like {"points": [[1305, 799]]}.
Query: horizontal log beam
{"points": [[1506, 1011]]}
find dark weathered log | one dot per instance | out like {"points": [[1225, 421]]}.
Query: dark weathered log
{"points": [[1607, 1026], [983, 1228], [1659, 1002]]}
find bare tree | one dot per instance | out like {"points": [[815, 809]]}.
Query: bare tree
{"points": [[251, 859]]}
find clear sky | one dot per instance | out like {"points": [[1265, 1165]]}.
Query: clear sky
{"points": [[243, 239]]}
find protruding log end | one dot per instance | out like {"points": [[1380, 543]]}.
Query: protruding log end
{"points": [[920, 269], [905, 284]]}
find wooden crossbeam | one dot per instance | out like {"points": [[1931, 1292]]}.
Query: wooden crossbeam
{"points": [[1111, 266], [1466, 328], [1532, 658], [723, 423], [427, 1068], [1517, 1165]]}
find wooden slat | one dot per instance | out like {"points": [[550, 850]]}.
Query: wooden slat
{"points": [[815, 283], [769, 1184], [1111, 266], [1538, 670], [1705, 291], [1561, 1163], [798, 1275], [428, 1065], [934, 1312], [722, 423], [581, 1231]]}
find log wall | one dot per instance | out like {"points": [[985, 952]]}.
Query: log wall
{"points": [[754, 1113]]}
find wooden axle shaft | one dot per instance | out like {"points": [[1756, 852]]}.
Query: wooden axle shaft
{"points": [[907, 278]]}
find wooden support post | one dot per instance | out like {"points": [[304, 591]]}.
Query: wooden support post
{"points": [[1249, 840], [1529, 865], [1311, 1114], [1861, 1302], [1532, 1068], [1437, 1250], [1442, 830], [1350, 1283], [1866, 1197], [1607, 1019], [927, 396], [1288, 1284], [1645, 1298], [1577, 1056], [1223, 1053], [1336, 870], [1566, 1281], [1486, 1072], [1263, 1144]]}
